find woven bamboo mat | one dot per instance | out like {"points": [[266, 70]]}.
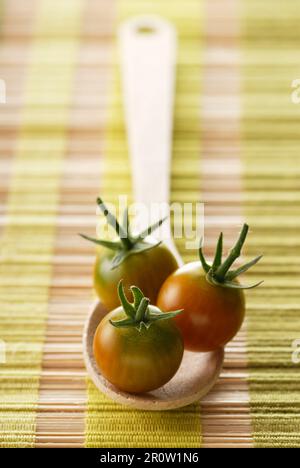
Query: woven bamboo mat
{"points": [[62, 142]]}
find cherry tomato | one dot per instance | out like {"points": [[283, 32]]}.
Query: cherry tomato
{"points": [[135, 347], [147, 270], [136, 259], [211, 296], [212, 314]]}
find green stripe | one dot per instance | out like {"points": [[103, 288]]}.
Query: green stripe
{"points": [[271, 156]]}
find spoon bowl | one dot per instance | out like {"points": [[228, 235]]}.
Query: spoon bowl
{"points": [[196, 376]]}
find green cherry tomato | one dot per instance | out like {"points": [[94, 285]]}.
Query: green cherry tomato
{"points": [[147, 270], [135, 347], [134, 258]]}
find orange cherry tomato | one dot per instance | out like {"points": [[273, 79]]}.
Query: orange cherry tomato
{"points": [[210, 295], [212, 314]]}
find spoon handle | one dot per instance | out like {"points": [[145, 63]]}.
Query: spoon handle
{"points": [[148, 56]]}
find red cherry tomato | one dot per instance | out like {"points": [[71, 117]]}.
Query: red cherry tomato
{"points": [[212, 315], [210, 295]]}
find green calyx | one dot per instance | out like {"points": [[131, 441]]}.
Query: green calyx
{"points": [[128, 243], [219, 273], [139, 313]]}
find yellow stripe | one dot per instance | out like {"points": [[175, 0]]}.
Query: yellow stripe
{"points": [[109, 424], [27, 243], [271, 177]]}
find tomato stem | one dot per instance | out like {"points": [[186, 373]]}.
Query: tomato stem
{"points": [[206, 267], [233, 255], [127, 244], [140, 312], [112, 220], [129, 309], [219, 274], [218, 255]]}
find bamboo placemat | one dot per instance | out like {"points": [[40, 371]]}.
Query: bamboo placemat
{"points": [[62, 142]]}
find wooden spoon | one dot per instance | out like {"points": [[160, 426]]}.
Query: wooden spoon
{"points": [[148, 53], [196, 376], [148, 59]]}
